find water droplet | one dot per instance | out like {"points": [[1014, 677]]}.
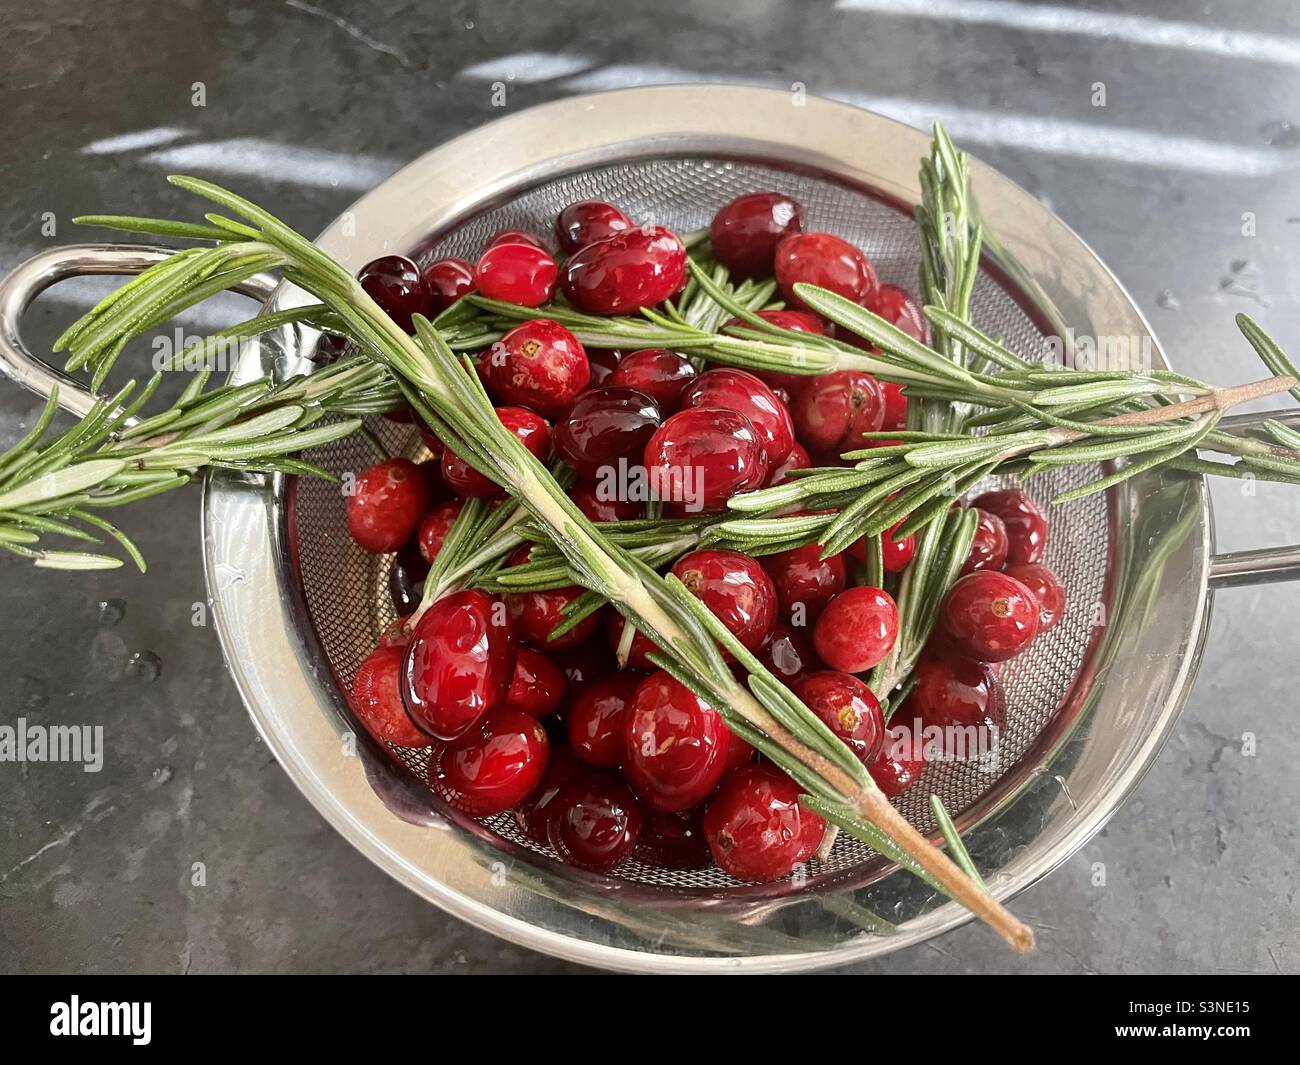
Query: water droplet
{"points": [[144, 665], [163, 774], [1167, 300], [111, 611]]}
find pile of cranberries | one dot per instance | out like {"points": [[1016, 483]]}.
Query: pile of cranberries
{"points": [[604, 764]]}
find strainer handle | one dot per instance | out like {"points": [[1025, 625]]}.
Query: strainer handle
{"points": [[27, 281], [1264, 565]]}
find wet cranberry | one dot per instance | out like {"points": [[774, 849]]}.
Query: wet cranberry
{"points": [[516, 273], [595, 823], [637, 268], [788, 653], [832, 411], [435, 526], [518, 236], [900, 761], [736, 590], [533, 813], [586, 221], [805, 582], [1046, 588], [535, 614], [530, 428], [798, 459], [673, 840], [739, 752], [640, 647], [603, 426], [539, 365], [857, 629], [603, 362], [406, 576], [459, 663], [676, 745], [990, 616], [848, 707], [736, 390], [583, 664], [387, 504], [538, 685], [955, 694], [756, 828], [397, 633], [895, 306], [661, 374], [394, 282], [895, 406], [430, 441], [1025, 522], [595, 719], [896, 554], [590, 499], [495, 765], [377, 699], [745, 232], [703, 456], [447, 280], [989, 548], [825, 260]]}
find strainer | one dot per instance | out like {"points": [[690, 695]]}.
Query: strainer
{"points": [[298, 605]]}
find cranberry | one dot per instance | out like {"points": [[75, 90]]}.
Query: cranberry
{"points": [[805, 582], [848, 707], [703, 456], [530, 428], [495, 765], [394, 282], [798, 459], [676, 745], [895, 306], [896, 554], [953, 692], [535, 614], [604, 426], [1046, 588], [641, 645], [825, 260], [1025, 522], [989, 548], [603, 361], [435, 526], [539, 365], [459, 663], [637, 268], [756, 828], [589, 499], [595, 720], [990, 616], [538, 685], [396, 634], [583, 664], [739, 752], [431, 441], [387, 504], [377, 699], [736, 390], [736, 590], [673, 840], [516, 273], [518, 236], [832, 411], [586, 221], [799, 322], [788, 653], [900, 761], [661, 374], [595, 823], [745, 232], [534, 812], [857, 629], [895, 417], [447, 280], [406, 577]]}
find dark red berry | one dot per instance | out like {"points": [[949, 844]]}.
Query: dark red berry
{"points": [[990, 616], [832, 411], [494, 766], [1025, 522], [676, 745], [827, 261], [406, 576], [673, 840], [435, 526], [960, 696], [595, 719], [637, 268], [661, 374], [736, 390], [736, 590], [785, 385], [530, 428], [539, 365], [895, 553], [595, 823], [895, 306], [516, 273], [640, 647], [387, 503], [755, 827], [895, 417], [397, 633], [745, 232], [518, 236], [805, 582], [603, 361], [848, 707], [857, 629], [798, 459], [900, 761], [394, 282], [703, 456], [603, 426], [377, 699], [447, 280], [591, 500], [989, 548], [535, 614], [587, 221], [538, 686], [788, 653], [583, 664], [533, 813], [1046, 588]]}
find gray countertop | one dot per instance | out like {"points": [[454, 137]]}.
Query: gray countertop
{"points": [[306, 104]]}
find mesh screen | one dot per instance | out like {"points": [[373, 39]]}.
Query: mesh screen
{"points": [[346, 589]]}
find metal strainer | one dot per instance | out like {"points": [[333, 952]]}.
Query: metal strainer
{"points": [[298, 605]]}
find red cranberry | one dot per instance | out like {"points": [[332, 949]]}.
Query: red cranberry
{"points": [[595, 823], [825, 260], [535, 614], [641, 645], [494, 766], [805, 582], [738, 751], [533, 813], [729, 389], [406, 577], [603, 361], [703, 456], [583, 664], [530, 428], [394, 282], [447, 280], [896, 554], [661, 374], [848, 707], [459, 663], [1046, 588], [596, 719], [735, 589], [604, 426], [637, 268], [895, 417], [676, 745], [587, 221], [798, 459], [516, 273], [953, 692], [539, 365], [538, 685], [989, 548], [990, 616], [377, 699], [396, 634], [518, 236], [1025, 522], [895, 306], [589, 499], [832, 411], [673, 840], [900, 761], [788, 653], [857, 629], [435, 526], [756, 828], [387, 504], [745, 232]]}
